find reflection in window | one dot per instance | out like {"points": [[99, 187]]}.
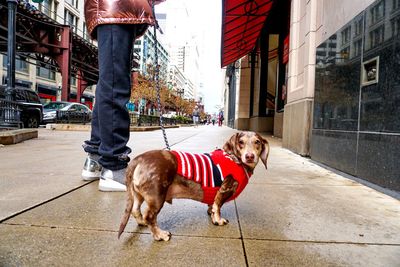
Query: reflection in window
{"points": [[377, 36], [73, 3], [344, 54], [358, 27], [357, 48], [20, 63], [396, 4], [377, 12], [70, 19], [45, 7], [45, 73], [346, 35], [72, 80], [85, 33], [395, 26]]}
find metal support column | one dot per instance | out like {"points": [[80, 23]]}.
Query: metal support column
{"points": [[9, 109], [12, 8]]}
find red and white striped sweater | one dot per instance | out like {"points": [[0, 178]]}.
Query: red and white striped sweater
{"points": [[210, 170]]}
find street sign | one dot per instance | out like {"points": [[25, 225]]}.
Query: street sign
{"points": [[37, 1]]}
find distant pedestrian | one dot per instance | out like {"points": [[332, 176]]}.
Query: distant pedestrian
{"points": [[213, 119], [196, 116], [220, 117], [115, 25]]}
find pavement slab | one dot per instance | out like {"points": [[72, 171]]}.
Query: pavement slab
{"points": [[89, 209], [319, 213], [45, 246], [278, 253]]}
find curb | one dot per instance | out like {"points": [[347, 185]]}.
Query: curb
{"points": [[12, 137]]}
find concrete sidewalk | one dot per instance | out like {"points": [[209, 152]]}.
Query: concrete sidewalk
{"points": [[295, 214]]}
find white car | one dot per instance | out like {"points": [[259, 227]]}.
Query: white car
{"points": [[61, 111]]}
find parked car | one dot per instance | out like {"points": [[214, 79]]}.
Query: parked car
{"points": [[66, 112], [31, 108]]}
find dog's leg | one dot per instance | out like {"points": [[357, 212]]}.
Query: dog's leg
{"points": [[150, 216], [227, 189], [136, 213], [209, 210]]}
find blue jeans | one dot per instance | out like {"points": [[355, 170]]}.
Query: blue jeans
{"points": [[110, 121]]}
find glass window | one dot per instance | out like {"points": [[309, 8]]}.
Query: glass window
{"points": [[377, 12], [73, 3], [20, 64], [357, 48], [55, 105], [85, 33], [74, 108], [45, 73], [395, 26], [377, 36], [72, 81], [32, 97], [358, 26], [70, 19], [346, 35], [19, 95], [45, 7], [396, 4]]}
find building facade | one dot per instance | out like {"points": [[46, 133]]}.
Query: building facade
{"points": [[41, 78], [323, 76], [144, 54]]}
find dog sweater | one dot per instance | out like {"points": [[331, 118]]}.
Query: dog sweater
{"points": [[209, 170]]}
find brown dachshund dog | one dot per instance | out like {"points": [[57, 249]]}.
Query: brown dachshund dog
{"points": [[159, 176]]}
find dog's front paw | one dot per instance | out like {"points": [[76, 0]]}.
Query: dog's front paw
{"points": [[220, 221], [162, 235]]}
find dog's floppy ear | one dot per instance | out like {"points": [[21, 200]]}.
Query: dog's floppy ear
{"points": [[265, 150], [230, 145]]}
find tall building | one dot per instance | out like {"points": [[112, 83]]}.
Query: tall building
{"points": [[144, 54], [183, 50]]}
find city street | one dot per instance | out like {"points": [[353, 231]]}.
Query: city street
{"points": [[296, 213]]}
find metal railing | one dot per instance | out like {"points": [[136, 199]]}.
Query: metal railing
{"points": [[73, 117], [148, 120], [10, 113]]}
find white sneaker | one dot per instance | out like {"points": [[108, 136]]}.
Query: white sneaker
{"points": [[112, 181], [91, 169]]}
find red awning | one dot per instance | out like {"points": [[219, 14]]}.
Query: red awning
{"points": [[242, 21]]}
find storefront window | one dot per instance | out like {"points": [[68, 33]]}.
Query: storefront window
{"points": [[20, 64], [45, 73]]}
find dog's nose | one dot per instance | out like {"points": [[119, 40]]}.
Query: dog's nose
{"points": [[249, 157]]}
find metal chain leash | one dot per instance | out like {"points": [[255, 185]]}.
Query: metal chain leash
{"points": [[157, 80]]}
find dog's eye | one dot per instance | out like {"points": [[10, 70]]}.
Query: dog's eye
{"points": [[241, 142], [257, 142]]}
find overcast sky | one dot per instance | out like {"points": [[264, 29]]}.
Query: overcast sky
{"points": [[205, 23]]}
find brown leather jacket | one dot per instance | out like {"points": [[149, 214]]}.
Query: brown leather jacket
{"points": [[118, 12]]}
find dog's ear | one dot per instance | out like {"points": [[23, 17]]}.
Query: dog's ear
{"points": [[230, 145], [265, 150]]}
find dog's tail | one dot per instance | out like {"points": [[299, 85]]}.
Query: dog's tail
{"points": [[129, 202]]}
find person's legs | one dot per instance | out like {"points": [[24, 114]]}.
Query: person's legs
{"points": [[115, 43], [110, 124]]}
